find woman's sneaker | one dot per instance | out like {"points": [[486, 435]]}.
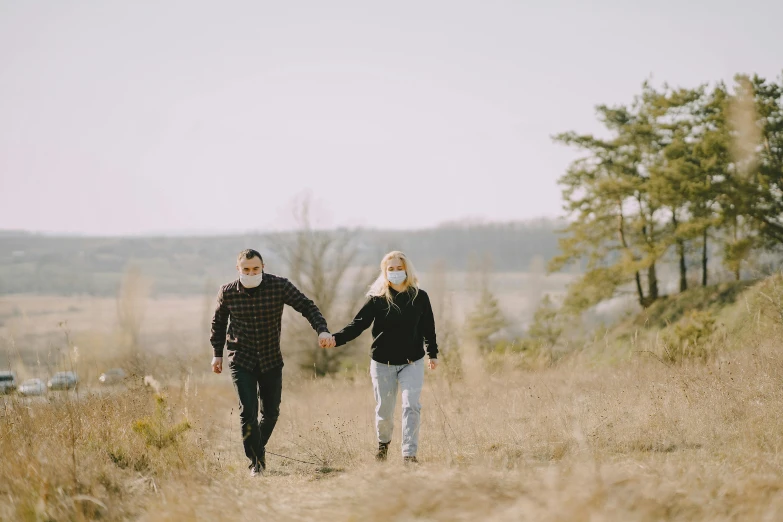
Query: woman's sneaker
{"points": [[383, 451], [409, 460]]}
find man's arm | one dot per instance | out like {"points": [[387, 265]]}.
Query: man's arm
{"points": [[217, 336], [299, 302]]}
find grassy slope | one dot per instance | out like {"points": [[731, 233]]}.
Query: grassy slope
{"points": [[731, 306]]}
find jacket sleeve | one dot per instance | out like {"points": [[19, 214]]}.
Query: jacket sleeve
{"points": [[427, 326], [360, 323], [299, 302], [217, 336]]}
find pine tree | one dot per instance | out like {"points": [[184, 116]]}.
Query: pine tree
{"points": [[751, 202], [485, 320], [684, 181], [615, 225], [547, 325]]}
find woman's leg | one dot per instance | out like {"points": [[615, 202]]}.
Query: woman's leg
{"points": [[411, 381], [384, 384]]}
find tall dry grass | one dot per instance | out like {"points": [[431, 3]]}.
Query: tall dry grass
{"points": [[76, 455], [639, 441], [590, 437]]}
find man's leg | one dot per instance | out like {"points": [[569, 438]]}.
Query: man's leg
{"points": [[411, 382], [384, 385], [270, 390], [246, 385]]}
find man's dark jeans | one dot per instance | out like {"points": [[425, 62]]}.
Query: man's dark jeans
{"points": [[252, 386]]}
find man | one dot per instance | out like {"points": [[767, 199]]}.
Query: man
{"points": [[254, 305]]}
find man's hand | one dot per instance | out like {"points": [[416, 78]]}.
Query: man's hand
{"points": [[326, 340], [433, 363], [217, 364]]}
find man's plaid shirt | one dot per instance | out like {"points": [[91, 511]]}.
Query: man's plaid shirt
{"points": [[252, 336]]}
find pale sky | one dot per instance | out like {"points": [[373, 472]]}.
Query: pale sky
{"points": [[137, 117]]}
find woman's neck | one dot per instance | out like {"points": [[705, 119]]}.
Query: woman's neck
{"points": [[397, 288]]}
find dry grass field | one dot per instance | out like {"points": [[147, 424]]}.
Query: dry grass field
{"points": [[593, 436]]}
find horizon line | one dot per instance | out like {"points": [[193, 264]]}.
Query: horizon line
{"points": [[468, 223]]}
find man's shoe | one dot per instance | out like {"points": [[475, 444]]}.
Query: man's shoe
{"points": [[410, 460], [383, 451], [257, 469], [262, 460]]}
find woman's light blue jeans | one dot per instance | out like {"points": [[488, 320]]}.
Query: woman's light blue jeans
{"points": [[386, 378]]}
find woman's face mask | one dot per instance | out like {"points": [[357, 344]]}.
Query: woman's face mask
{"points": [[396, 277]]}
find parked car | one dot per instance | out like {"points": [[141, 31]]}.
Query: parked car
{"points": [[7, 381], [63, 381], [113, 376], [32, 387]]}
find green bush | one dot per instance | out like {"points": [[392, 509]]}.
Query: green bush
{"points": [[688, 338], [158, 431]]}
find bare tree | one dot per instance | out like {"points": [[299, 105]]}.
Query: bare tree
{"points": [[322, 265]]}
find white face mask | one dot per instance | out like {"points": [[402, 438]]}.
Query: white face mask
{"points": [[396, 277], [251, 281]]}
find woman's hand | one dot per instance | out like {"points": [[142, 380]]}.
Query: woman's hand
{"points": [[433, 363], [326, 340], [217, 364]]}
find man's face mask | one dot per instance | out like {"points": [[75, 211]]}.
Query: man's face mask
{"points": [[251, 281]]}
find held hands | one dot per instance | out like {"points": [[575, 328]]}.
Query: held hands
{"points": [[326, 340], [432, 364]]}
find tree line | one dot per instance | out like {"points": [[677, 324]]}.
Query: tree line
{"points": [[679, 172], [191, 265]]}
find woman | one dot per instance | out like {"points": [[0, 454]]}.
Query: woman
{"points": [[401, 315]]}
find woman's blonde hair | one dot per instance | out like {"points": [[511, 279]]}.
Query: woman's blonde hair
{"points": [[382, 288]]}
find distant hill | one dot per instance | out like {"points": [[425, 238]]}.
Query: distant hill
{"points": [[35, 263]]}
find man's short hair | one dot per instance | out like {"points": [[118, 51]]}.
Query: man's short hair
{"points": [[249, 253]]}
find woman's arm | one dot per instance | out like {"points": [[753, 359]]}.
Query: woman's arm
{"points": [[427, 326], [360, 323]]}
